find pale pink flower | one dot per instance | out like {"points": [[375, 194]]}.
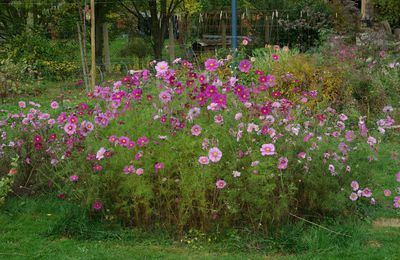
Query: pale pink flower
{"points": [[100, 153], [267, 149], [196, 130], [283, 163], [214, 154], [220, 184], [203, 160], [354, 185]]}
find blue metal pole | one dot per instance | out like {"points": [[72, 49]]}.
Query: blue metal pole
{"points": [[234, 25]]}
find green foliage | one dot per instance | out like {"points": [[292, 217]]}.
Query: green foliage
{"points": [[42, 57], [388, 10], [138, 47], [13, 77]]}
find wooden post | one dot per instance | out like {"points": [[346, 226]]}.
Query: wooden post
{"points": [[171, 40], [223, 29], [81, 46], [267, 31], [366, 10], [106, 48], [93, 44]]}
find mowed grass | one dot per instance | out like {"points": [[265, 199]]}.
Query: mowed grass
{"points": [[49, 228]]}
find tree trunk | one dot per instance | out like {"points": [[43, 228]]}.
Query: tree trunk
{"points": [[99, 15], [171, 40], [159, 23], [107, 61]]}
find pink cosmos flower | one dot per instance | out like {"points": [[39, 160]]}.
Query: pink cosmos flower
{"points": [[371, 141], [366, 192], [396, 202], [238, 116], [214, 154], [123, 141], [350, 136], [142, 141], [97, 167], [131, 144], [158, 166], [97, 205], [70, 128], [354, 185], [22, 104], [267, 149], [112, 139], [73, 178], [211, 65], [54, 105], [220, 184], [398, 177], [219, 119], [387, 193], [196, 130], [301, 155], [203, 160], [128, 169], [161, 67], [72, 120], [283, 163], [100, 153], [165, 96], [353, 196], [244, 66], [139, 171], [343, 117], [236, 174]]}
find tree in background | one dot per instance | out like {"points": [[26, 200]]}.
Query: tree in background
{"points": [[158, 13]]}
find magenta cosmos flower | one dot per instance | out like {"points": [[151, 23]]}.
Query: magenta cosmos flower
{"points": [[124, 141], [267, 149], [203, 160], [244, 66], [220, 184], [73, 178], [275, 57], [142, 141], [196, 130], [214, 154], [211, 64], [97, 205], [158, 166], [37, 139]]}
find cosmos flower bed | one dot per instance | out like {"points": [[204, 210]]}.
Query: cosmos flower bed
{"points": [[180, 148]]}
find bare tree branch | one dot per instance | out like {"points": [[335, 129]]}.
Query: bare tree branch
{"points": [[128, 9]]}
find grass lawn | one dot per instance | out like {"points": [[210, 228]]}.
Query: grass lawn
{"points": [[47, 228]]}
